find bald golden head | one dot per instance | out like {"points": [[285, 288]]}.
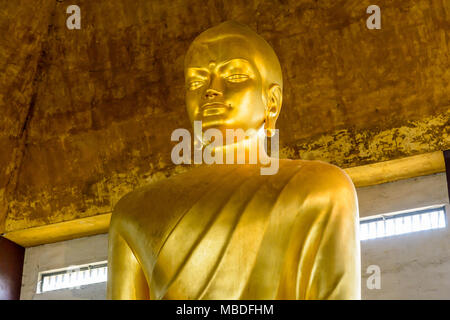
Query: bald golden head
{"points": [[252, 44], [233, 79]]}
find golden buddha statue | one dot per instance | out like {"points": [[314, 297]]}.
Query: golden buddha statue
{"points": [[226, 231]]}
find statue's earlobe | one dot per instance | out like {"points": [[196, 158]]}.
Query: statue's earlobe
{"points": [[273, 108]]}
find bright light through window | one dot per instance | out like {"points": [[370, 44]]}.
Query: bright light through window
{"points": [[401, 223], [72, 277]]}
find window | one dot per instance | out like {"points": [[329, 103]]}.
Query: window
{"points": [[401, 223], [73, 276]]}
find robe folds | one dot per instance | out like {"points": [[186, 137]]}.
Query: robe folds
{"points": [[227, 232]]}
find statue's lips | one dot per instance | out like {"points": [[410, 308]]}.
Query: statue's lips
{"points": [[213, 109]]}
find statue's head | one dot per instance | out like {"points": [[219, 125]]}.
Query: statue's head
{"points": [[233, 79]]}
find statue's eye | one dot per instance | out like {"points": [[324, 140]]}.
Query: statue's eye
{"points": [[194, 85], [237, 78]]}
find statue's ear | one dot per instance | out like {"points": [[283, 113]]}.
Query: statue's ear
{"points": [[274, 100]]}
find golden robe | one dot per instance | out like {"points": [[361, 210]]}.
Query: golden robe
{"points": [[227, 232]]}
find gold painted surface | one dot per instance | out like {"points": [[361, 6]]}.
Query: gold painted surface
{"points": [[239, 235], [61, 231], [398, 169], [86, 115], [349, 146], [227, 231]]}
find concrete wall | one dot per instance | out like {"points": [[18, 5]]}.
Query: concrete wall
{"points": [[413, 266], [59, 255]]}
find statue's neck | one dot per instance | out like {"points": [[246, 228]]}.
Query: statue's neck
{"points": [[247, 151]]}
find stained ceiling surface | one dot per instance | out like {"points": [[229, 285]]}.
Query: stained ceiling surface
{"points": [[86, 115]]}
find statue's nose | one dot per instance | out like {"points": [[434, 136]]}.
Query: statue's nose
{"points": [[211, 94]]}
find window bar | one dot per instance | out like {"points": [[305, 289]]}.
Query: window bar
{"points": [[402, 223]]}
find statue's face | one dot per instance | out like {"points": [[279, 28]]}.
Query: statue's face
{"points": [[224, 89]]}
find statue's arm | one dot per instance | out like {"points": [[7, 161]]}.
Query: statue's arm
{"points": [[332, 247], [126, 280]]}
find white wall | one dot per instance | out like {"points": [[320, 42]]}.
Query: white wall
{"points": [[60, 255], [413, 266]]}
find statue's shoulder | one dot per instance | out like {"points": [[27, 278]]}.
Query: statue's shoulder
{"points": [[325, 187], [319, 176], [160, 196], [133, 202]]}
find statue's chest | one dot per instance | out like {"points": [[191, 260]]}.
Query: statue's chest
{"points": [[212, 231]]}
